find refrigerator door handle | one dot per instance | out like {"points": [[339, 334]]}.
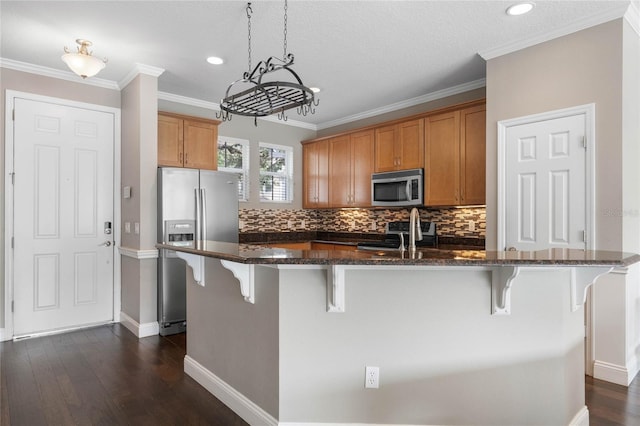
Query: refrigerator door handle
{"points": [[198, 230], [203, 214]]}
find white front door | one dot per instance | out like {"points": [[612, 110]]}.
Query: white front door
{"points": [[545, 184], [63, 273]]}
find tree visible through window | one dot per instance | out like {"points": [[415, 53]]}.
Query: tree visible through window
{"points": [[276, 167], [233, 156]]}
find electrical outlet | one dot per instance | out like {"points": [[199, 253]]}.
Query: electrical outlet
{"points": [[127, 227], [374, 225], [472, 225], [290, 224], [371, 377], [303, 224], [136, 228]]}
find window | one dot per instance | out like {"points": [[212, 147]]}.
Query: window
{"points": [[233, 156], [276, 173]]}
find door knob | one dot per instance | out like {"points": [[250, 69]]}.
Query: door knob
{"points": [[511, 249], [106, 243]]}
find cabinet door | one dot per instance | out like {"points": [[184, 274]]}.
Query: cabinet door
{"points": [[361, 168], [385, 155], [200, 145], [323, 174], [442, 171], [315, 175], [473, 155], [340, 187], [170, 143], [410, 144]]}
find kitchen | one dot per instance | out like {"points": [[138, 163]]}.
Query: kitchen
{"points": [[503, 101]]}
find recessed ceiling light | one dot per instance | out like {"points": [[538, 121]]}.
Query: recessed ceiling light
{"points": [[214, 60], [519, 9], [315, 89]]}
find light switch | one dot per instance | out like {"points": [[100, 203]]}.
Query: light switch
{"points": [[127, 227], [136, 228], [126, 192]]}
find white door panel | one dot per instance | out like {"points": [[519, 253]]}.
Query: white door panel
{"points": [[63, 196], [545, 172]]}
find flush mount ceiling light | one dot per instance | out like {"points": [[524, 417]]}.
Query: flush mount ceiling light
{"points": [[519, 9], [82, 62], [214, 60], [258, 93]]}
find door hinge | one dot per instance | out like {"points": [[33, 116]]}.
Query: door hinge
{"points": [[13, 178], [13, 114], [12, 241], [12, 306], [584, 142], [584, 236]]}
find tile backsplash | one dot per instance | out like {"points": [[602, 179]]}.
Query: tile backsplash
{"points": [[465, 222]]}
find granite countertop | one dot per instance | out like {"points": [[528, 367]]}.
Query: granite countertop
{"points": [[256, 254]]}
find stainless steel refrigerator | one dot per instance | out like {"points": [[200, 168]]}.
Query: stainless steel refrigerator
{"points": [[192, 205]]}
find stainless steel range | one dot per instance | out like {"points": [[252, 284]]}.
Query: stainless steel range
{"points": [[392, 238]]}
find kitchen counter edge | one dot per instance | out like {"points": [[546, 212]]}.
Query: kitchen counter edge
{"points": [[262, 255]]}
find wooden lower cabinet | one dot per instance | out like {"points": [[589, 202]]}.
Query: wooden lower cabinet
{"points": [[187, 142]]}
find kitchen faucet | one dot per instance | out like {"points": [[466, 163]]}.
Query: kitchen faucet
{"points": [[415, 232]]}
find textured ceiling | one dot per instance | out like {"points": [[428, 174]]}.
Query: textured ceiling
{"points": [[364, 55]]}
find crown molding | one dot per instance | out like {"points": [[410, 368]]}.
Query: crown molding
{"points": [[632, 15], [461, 88], [140, 69], [55, 73], [216, 107], [576, 26]]}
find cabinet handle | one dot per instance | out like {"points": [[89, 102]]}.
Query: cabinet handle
{"points": [[186, 158], [180, 158]]}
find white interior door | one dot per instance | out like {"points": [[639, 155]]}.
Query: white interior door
{"points": [[63, 273], [545, 184]]}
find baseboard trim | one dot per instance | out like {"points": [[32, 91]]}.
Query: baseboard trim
{"points": [[140, 330], [5, 334], [581, 418], [240, 404], [613, 373]]}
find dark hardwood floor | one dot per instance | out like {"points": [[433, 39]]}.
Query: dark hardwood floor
{"points": [[107, 376], [103, 376]]}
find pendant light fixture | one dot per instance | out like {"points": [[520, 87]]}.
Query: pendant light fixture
{"points": [[258, 93], [82, 62]]}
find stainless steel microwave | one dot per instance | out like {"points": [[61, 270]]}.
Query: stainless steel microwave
{"points": [[397, 189]]}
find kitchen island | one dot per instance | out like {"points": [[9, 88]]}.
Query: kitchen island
{"points": [[460, 337]]}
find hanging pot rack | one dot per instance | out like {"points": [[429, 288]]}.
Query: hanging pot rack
{"points": [[266, 96]]}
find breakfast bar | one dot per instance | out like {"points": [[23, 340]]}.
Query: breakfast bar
{"points": [[284, 336]]}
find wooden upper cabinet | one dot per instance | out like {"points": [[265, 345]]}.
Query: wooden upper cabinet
{"points": [[170, 142], [399, 146], [315, 165], [455, 158], [350, 168], [362, 156], [187, 142], [442, 165], [340, 187], [473, 154]]}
